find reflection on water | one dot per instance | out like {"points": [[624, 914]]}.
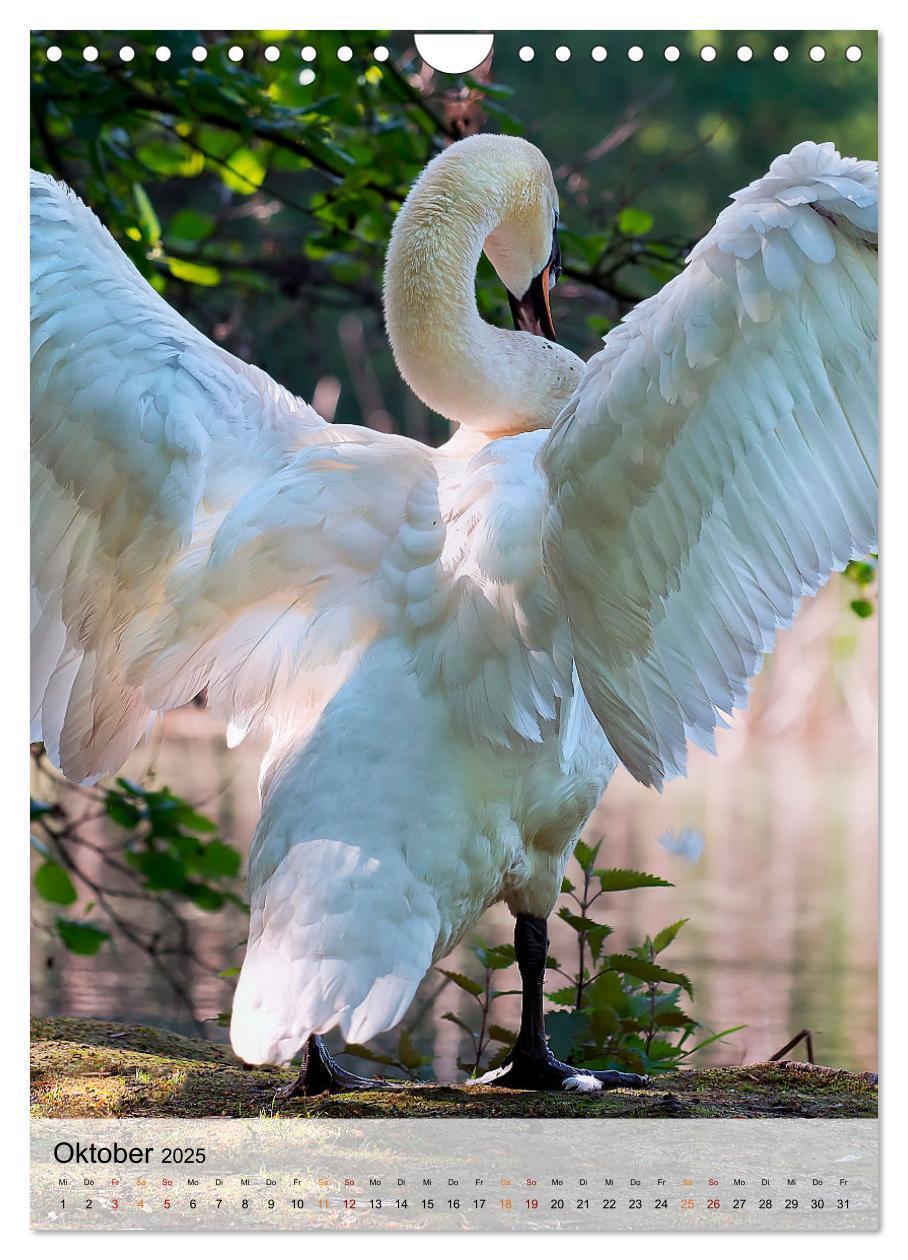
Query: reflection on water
{"points": [[782, 904]]}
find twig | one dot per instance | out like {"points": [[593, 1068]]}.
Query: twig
{"points": [[804, 1035]]}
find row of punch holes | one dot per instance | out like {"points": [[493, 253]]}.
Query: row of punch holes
{"points": [[380, 53]]}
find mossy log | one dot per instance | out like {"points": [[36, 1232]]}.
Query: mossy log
{"points": [[83, 1068]]}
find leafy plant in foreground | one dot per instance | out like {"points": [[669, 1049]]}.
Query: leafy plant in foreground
{"points": [[616, 1010], [156, 857]]}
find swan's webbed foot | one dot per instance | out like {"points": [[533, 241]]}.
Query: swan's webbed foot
{"points": [[531, 1064], [540, 1069], [322, 1074]]}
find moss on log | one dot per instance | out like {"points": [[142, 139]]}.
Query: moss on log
{"points": [[83, 1068]]}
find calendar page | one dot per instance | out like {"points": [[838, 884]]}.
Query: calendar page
{"points": [[454, 605]]}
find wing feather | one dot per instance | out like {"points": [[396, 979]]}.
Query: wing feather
{"points": [[718, 461], [194, 524]]}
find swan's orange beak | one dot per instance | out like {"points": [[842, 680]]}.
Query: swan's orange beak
{"points": [[532, 313]]}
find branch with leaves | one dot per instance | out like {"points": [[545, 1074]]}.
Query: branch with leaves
{"points": [[156, 856]]}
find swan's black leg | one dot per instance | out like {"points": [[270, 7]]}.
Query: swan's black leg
{"points": [[531, 1064], [321, 1073]]}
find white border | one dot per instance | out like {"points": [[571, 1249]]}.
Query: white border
{"points": [[489, 15]]}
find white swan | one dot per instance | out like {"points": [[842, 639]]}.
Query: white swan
{"points": [[451, 648]]}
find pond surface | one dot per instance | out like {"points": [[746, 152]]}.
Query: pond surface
{"points": [[782, 903]]}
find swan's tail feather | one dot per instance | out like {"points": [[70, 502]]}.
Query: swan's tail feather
{"points": [[338, 939]]}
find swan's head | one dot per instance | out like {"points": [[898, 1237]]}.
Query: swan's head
{"points": [[523, 247], [494, 194]]}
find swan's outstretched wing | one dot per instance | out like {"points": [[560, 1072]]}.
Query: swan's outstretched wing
{"points": [[718, 461], [192, 520]]}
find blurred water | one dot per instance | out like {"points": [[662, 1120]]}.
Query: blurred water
{"points": [[782, 904]]}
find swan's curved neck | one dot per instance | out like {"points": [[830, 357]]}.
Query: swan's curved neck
{"points": [[490, 379]]}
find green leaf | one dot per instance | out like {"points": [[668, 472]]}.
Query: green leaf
{"points": [[862, 607], [618, 880], [660, 1050], [407, 1053], [496, 957], [148, 220], [634, 222], [162, 872], [189, 225], [605, 991], [228, 973], [464, 982], [371, 1056], [40, 808], [455, 1019], [123, 812], [205, 898], [81, 938], [861, 571], [219, 860], [564, 1028], [171, 157], [726, 1032], [567, 886], [194, 821], [604, 1023], [131, 788], [651, 972], [564, 997], [672, 1019], [586, 854], [194, 273], [578, 921], [663, 939], [504, 1035], [596, 938], [54, 884], [244, 171]]}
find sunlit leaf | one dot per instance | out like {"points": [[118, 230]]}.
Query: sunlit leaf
{"points": [[634, 222], [194, 273], [663, 939]]}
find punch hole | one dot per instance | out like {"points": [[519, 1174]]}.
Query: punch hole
{"points": [[54, 53], [308, 53], [89, 53], [526, 53], [635, 53], [453, 54], [599, 53], [344, 53], [380, 53], [235, 53], [199, 53], [162, 53], [672, 53], [127, 53], [306, 77], [817, 53], [708, 53], [272, 53], [745, 53], [853, 53], [780, 53], [562, 53]]}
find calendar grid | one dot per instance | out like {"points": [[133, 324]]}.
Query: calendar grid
{"points": [[273, 1173]]}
